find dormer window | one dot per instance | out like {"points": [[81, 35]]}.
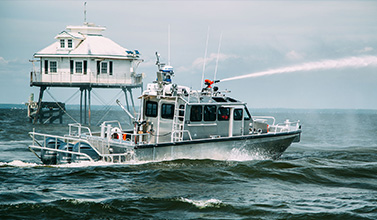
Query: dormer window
{"points": [[62, 43], [69, 43]]}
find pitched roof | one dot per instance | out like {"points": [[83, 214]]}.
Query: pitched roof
{"points": [[87, 45]]}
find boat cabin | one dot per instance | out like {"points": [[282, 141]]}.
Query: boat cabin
{"points": [[192, 115]]}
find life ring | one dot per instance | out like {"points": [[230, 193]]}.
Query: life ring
{"points": [[115, 133]]}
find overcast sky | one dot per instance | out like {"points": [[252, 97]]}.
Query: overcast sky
{"points": [[256, 36]]}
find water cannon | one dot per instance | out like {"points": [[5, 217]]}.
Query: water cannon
{"points": [[209, 83]]}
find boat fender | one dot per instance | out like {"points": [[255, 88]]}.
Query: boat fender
{"points": [[259, 131]]}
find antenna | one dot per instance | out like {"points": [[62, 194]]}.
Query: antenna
{"points": [[169, 44], [218, 53], [84, 12], [204, 64]]}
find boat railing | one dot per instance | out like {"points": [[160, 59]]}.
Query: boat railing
{"points": [[287, 126], [264, 119], [39, 142], [76, 130], [99, 145]]}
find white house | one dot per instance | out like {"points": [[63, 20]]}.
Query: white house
{"points": [[82, 56]]}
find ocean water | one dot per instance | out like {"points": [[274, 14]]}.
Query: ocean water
{"points": [[330, 174]]}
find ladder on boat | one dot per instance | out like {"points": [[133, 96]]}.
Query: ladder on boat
{"points": [[178, 121]]}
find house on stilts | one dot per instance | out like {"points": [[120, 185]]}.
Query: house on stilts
{"points": [[83, 58]]}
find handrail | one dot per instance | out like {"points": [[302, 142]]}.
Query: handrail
{"points": [[79, 128], [56, 137], [265, 117]]}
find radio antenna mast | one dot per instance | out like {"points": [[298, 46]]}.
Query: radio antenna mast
{"points": [[204, 63], [84, 12], [169, 44], [218, 54]]}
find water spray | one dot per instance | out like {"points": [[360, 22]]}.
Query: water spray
{"points": [[356, 62]]}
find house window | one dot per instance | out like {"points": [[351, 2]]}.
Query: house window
{"points": [[223, 114], [78, 67], [110, 67], [53, 67], [71, 63], [196, 113], [151, 109], [69, 43], [85, 67], [46, 66], [62, 43], [103, 67], [238, 114], [210, 113], [167, 111]]}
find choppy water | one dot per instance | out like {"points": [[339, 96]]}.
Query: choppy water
{"points": [[330, 174]]}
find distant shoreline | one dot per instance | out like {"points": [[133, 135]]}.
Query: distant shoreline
{"points": [[298, 110]]}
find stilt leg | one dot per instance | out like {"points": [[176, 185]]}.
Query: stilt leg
{"points": [[42, 89]]}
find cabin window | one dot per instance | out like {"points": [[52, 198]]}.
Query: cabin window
{"points": [[151, 109], [223, 114], [247, 115], [78, 67], [238, 114], [70, 43], [210, 113], [167, 111], [53, 67], [62, 43], [196, 113]]}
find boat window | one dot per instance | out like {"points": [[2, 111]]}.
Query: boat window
{"points": [[151, 109], [219, 99], [238, 114], [167, 111], [196, 113], [231, 99], [247, 115], [210, 113], [223, 114]]}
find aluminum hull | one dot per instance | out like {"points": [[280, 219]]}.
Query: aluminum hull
{"points": [[264, 146]]}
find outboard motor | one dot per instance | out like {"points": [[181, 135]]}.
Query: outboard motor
{"points": [[64, 158], [49, 157], [84, 148]]}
